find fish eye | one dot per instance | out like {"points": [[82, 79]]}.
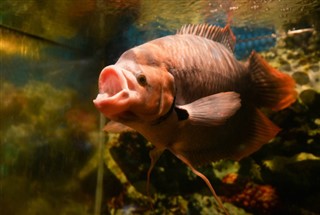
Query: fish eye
{"points": [[142, 80]]}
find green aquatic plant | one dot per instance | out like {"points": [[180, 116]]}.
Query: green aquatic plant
{"points": [[46, 137]]}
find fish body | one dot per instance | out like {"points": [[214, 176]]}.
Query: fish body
{"points": [[187, 93], [195, 98]]}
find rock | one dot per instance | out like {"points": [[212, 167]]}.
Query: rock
{"points": [[315, 68], [311, 98], [301, 78], [294, 55], [285, 67]]}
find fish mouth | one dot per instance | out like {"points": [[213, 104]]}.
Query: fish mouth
{"points": [[113, 91], [111, 81]]}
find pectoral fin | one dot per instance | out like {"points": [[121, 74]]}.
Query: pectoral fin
{"points": [[116, 127], [213, 110]]}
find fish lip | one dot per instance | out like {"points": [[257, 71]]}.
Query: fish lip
{"points": [[112, 81], [113, 90], [103, 100], [106, 105]]}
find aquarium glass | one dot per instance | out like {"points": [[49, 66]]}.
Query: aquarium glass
{"points": [[55, 157]]}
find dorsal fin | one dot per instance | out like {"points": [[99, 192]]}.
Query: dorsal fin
{"points": [[224, 35]]}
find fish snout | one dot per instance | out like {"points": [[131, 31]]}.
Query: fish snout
{"points": [[113, 97], [112, 80]]}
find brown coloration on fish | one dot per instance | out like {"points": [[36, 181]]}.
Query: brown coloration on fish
{"points": [[188, 94]]}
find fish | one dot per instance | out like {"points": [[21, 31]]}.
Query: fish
{"points": [[187, 93]]}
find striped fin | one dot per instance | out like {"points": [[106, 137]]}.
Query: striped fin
{"points": [[224, 35], [273, 89]]}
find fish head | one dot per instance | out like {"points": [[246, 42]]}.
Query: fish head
{"points": [[134, 91]]}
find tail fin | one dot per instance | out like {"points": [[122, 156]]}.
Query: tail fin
{"points": [[273, 88]]}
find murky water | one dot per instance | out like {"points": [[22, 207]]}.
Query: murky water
{"points": [[51, 149]]}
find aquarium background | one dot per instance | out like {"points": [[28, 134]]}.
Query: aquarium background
{"points": [[54, 157]]}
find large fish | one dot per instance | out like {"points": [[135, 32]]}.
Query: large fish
{"points": [[187, 93]]}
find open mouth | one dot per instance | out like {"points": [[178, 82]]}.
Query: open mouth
{"points": [[113, 91], [111, 82]]}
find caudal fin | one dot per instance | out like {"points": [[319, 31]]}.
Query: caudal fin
{"points": [[273, 89]]}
